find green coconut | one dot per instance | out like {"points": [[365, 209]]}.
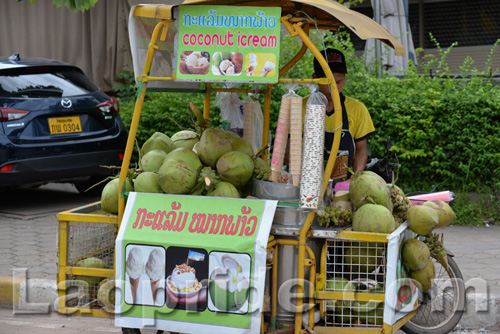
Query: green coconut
{"points": [[109, 195], [373, 218], [374, 317], [445, 212], [212, 145], [152, 161], [147, 182], [176, 177], [188, 156], [157, 141], [423, 278], [185, 138], [363, 259], [415, 254], [367, 307], [368, 187], [336, 284], [241, 145], [92, 281], [231, 135], [106, 295], [422, 219], [224, 189], [235, 167]]}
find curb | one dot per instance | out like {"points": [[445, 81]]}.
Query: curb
{"points": [[40, 296], [31, 295], [9, 291]]}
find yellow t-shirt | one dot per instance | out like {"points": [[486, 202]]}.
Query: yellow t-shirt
{"points": [[360, 121]]}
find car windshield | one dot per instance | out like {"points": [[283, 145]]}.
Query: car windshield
{"points": [[43, 82]]}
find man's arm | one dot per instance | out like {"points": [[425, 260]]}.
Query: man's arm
{"points": [[361, 155]]}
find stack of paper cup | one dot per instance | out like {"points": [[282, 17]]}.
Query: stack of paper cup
{"points": [[296, 138], [312, 157]]}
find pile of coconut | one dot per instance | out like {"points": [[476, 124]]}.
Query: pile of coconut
{"points": [[217, 163]]}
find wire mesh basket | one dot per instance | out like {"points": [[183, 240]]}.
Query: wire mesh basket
{"points": [[86, 246], [356, 272]]}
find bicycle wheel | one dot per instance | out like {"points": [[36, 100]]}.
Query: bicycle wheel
{"points": [[440, 313]]}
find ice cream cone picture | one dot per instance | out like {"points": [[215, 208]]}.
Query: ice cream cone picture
{"points": [[154, 288], [134, 285], [252, 62], [155, 269], [268, 67], [134, 267]]}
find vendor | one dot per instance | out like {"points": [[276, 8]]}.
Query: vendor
{"points": [[357, 124]]}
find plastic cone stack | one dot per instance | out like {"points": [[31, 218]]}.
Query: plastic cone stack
{"points": [[281, 138], [248, 122], [296, 138]]}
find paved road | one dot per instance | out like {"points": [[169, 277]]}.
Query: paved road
{"points": [[28, 221]]}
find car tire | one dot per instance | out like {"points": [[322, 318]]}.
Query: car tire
{"points": [[92, 187]]}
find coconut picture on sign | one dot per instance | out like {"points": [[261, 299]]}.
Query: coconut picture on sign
{"points": [[227, 63], [229, 283]]}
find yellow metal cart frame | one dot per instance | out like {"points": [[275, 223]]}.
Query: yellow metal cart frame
{"points": [[296, 18]]}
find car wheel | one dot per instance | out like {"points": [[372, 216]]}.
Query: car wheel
{"points": [[92, 187]]}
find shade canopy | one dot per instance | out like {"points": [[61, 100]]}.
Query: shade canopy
{"points": [[327, 13]]}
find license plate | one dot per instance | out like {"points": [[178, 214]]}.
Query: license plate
{"points": [[60, 125]]}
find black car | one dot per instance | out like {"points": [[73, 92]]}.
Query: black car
{"points": [[56, 126]]}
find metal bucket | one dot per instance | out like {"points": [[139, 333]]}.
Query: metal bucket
{"points": [[290, 216], [287, 273], [277, 191]]}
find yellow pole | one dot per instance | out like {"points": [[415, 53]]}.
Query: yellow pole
{"points": [[297, 30], [206, 102], [297, 57], [267, 118], [137, 115]]}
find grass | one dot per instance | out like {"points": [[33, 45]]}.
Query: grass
{"points": [[477, 209]]}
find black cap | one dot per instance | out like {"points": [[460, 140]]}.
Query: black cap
{"points": [[334, 58]]}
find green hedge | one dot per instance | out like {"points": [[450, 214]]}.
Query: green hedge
{"points": [[444, 130]]}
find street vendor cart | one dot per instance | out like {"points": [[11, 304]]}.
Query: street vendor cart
{"points": [[283, 272]]}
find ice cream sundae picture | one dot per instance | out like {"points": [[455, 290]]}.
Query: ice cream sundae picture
{"points": [[155, 269], [194, 62], [183, 281], [186, 284], [227, 63], [134, 268]]}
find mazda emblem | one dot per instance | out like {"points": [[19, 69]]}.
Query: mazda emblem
{"points": [[66, 103]]}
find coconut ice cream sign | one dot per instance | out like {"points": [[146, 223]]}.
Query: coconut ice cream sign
{"points": [[192, 264], [228, 43]]}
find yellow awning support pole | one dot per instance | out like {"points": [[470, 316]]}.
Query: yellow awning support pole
{"points": [[267, 118], [163, 24], [206, 102], [297, 57], [297, 30]]}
